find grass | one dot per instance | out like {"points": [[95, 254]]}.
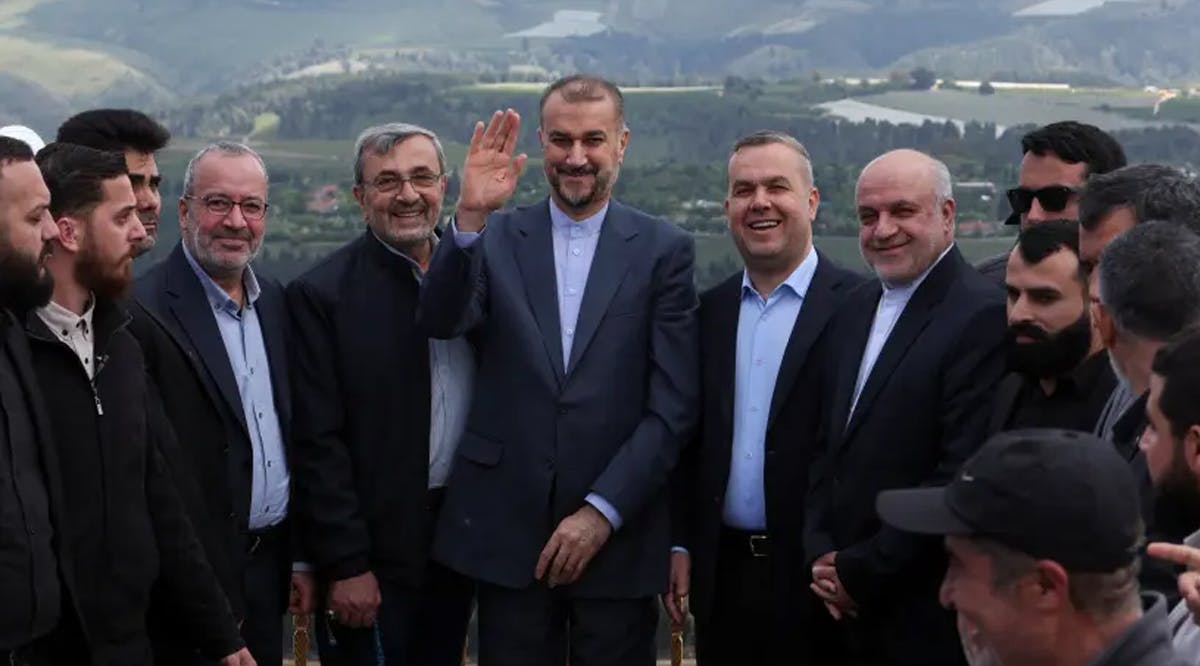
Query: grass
{"points": [[66, 71]]}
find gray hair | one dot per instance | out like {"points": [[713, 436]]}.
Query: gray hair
{"points": [[1099, 595], [1152, 191], [382, 138], [943, 185], [230, 148], [769, 137], [1150, 280]]}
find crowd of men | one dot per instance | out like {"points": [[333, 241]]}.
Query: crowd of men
{"points": [[529, 413]]}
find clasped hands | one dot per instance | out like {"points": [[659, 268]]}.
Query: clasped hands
{"points": [[829, 588]]}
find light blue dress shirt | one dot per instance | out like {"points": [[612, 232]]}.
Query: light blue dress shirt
{"points": [[887, 312], [242, 334], [764, 328], [574, 248], [451, 378]]}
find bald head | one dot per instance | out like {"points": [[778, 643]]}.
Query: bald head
{"points": [[906, 213]]}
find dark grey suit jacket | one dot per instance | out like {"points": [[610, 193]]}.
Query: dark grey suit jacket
{"points": [[540, 439]]}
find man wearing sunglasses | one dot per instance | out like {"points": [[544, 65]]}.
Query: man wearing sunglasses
{"points": [[1057, 160]]}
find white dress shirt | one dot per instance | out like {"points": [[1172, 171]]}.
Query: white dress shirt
{"points": [[74, 330]]}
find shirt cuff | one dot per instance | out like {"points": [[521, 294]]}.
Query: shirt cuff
{"points": [[608, 510], [680, 549], [462, 238], [301, 566]]}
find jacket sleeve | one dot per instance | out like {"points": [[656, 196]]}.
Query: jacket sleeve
{"points": [[337, 536], [454, 291], [871, 569], [184, 572], [643, 464]]}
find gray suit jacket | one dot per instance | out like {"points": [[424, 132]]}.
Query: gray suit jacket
{"points": [[538, 438]]}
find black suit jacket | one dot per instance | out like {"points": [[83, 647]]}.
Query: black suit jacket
{"points": [[923, 411], [544, 431], [362, 394], [210, 456], [791, 434]]}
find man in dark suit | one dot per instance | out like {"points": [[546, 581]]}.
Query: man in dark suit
{"points": [[1059, 374], [1056, 161], [740, 496], [583, 313], [214, 336], [909, 367], [125, 528], [379, 409]]}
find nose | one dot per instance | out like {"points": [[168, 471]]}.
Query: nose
{"points": [[137, 232], [576, 156], [407, 192], [1037, 213], [760, 201], [1018, 311], [235, 219], [48, 228], [885, 226]]}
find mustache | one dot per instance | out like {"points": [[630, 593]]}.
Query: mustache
{"points": [[401, 210], [234, 235], [1027, 329], [584, 170]]}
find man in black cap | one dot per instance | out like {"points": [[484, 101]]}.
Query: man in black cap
{"points": [[1043, 529]]}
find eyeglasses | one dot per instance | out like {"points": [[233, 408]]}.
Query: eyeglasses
{"points": [[423, 180], [1053, 199], [221, 205]]}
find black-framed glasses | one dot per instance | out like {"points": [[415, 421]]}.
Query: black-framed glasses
{"points": [[393, 182], [221, 205], [1053, 199]]}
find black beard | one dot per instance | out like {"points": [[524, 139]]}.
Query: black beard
{"points": [[107, 281], [1177, 500], [1049, 355], [24, 284]]}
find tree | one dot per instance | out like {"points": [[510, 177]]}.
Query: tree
{"points": [[923, 78], [986, 88]]}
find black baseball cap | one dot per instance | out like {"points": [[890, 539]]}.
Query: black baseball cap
{"points": [[1051, 494]]}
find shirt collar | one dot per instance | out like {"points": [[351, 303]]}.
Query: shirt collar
{"points": [[905, 291], [433, 242], [216, 295], [798, 282], [590, 225], [64, 321]]}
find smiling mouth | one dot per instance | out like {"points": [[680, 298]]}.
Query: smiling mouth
{"points": [[763, 225]]}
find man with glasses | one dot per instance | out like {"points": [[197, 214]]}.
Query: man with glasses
{"points": [[379, 411], [218, 354], [1057, 161]]}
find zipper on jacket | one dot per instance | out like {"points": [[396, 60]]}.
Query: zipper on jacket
{"points": [[100, 359]]}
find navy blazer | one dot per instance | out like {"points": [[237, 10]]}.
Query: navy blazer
{"points": [[211, 458], [538, 438], [922, 412]]}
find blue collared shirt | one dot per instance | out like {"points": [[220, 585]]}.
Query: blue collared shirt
{"points": [[574, 248], [242, 334], [764, 328], [451, 378]]}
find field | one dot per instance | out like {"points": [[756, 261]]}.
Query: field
{"points": [[64, 70], [1009, 108]]}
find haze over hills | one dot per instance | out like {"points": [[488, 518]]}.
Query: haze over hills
{"points": [[65, 54]]}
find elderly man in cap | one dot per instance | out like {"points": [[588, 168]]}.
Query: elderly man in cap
{"points": [[1042, 528]]}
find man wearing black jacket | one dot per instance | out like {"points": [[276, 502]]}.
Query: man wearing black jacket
{"points": [[29, 492], [379, 410], [124, 525]]}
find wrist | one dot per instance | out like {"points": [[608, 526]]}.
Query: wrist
{"points": [[470, 220]]}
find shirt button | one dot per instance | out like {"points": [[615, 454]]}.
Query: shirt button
{"points": [[572, 291], [570, 331], [754, 410], [575, 251]]}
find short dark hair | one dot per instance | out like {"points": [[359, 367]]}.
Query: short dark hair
{"points": [[1178, 364], [1074, 142], [1153, 191], [776, 137], [1038, 241], [585, 88], [1149, 281], [114, 129], [75, 176], [14, 150]]}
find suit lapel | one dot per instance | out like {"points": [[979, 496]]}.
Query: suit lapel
{"points": [[609, 265], [913, 320], [858, 328], [190, 307], [818, 306], [535, 259], [272, 318], [722, 353]]}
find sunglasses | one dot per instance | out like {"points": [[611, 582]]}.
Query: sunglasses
{"points": [[1052, 199]]}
